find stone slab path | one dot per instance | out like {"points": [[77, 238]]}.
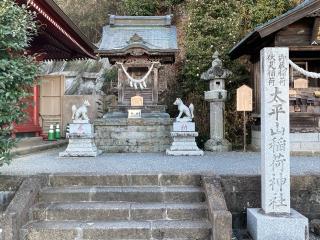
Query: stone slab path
{"points": [[229, 163]]}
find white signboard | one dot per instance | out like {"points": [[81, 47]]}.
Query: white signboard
{"points": [[134, 113], [275, 144], [244, 99]]}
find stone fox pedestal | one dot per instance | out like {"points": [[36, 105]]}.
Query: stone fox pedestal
{"points": [[184, 143], [81, 142]]}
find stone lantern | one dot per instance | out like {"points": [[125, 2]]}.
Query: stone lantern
{"points": [[217, 95]]}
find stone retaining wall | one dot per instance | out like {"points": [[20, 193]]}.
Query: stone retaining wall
{"points": [[8, 187], [242, 192], [133, 135], [17, 213]]}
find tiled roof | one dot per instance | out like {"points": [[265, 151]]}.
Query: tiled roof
{"points": [[153, 33]]}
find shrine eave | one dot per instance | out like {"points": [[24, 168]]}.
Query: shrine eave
{"points": [[58, 37], [125, 51], [262, 33]]}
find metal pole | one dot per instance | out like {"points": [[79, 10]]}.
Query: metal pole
{"points": [[244, 132]]}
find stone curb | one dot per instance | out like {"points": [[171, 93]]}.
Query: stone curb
{"points": [[17, 213], [220, 217], [305, 153], [32, 149]]}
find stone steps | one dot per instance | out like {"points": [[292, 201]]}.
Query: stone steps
{"points": [[65, 230], [132, 194], [99, 211], [64, 180], [120, 207]]}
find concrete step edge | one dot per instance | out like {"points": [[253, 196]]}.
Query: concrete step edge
{"points": [[116, 205], [72, 189], [128, 224]]}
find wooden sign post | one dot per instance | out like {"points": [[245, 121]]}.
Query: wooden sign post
{"points": [[244, 104]]}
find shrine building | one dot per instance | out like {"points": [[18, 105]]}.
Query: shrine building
{"points": [[298, 29], [58, 39], [139, 47]]}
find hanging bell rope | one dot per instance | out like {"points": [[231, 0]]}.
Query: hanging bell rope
{"points": [[303, 71], [137, 82]]}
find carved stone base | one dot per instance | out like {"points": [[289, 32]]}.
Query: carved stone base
{"points": [[184, 144], [81, 147], [217, 145], [81, 142]]}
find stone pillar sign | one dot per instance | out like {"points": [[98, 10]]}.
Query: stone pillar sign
{"points": [[275, 145], [275, 220]]}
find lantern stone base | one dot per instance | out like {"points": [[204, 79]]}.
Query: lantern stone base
{"points": [[217, 145], [184, 144], [271, 227]]}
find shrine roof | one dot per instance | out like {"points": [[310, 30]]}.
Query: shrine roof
{"points": [[309, 8], [153, 33]]}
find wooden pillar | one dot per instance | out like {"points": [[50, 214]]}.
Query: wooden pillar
{"points": [[36, 100], [155, 92], [121, 84]]}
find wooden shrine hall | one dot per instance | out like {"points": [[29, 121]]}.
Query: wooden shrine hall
{"points": [[58, 39], [298, 29], [139, 46]]}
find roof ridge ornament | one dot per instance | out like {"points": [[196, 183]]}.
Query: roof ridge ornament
{"points": [[136, 38]]}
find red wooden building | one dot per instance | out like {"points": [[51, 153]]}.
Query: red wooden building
{"points": [[58, 39]]}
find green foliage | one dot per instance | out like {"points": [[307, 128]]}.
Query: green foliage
{"points": [[110, 75], [148, 7], [90, 15], [219, 25], [17, 72], [110, 79], [140, 8]]}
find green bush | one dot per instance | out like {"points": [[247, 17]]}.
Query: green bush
{"points": [[148, 7], [219, 25], [17, 71]]}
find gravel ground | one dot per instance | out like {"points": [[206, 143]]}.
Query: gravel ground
{"points": [[228, 163], [314, 237]]}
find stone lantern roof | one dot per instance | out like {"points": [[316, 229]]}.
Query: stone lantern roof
{"points": [[138, 35]]}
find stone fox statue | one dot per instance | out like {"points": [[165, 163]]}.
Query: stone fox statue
{"points": [[82, 112], [183, 109]]}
